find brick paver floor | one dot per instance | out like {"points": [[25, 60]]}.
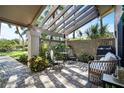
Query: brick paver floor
{"points": [[13, 74]]}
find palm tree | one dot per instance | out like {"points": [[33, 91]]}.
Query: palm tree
{"points": [[80, 33], [18, 32], [92, 32], [95, 32], [24, 30]]}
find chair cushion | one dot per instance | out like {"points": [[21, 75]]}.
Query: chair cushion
{"points": [[110, 57], [102, 59]]}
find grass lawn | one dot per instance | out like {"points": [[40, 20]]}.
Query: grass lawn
{"points": [[15, 54]]}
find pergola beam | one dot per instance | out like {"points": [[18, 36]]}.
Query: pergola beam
{"points": [[66, 17], [58, 41], [78, 18], [59, 16], [81, 23], [41, 30], [52, 11], [52, 33], [75, 16]]}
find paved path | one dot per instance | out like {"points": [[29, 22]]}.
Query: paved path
{"points": [[16, 75]]}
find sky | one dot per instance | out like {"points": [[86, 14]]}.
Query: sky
{"points": [[9, 33]]}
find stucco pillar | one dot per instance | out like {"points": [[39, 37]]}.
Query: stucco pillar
{"points": [[33, 42]]}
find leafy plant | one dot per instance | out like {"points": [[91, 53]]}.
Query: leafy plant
{"points": [[23, 59], [95, 32], [38, 63], [85, 57], [58, 48]]}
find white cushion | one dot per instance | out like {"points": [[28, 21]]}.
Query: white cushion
{"points": [[102, 59], [110, 57]]}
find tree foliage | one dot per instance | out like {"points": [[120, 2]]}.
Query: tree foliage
{"points": [[95, 32], [7, 45]]}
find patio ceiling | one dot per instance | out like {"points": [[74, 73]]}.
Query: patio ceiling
{"points": [[104, 9], [23, 15]]}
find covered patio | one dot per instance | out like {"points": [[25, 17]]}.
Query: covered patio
{"points": [[55, 24]]}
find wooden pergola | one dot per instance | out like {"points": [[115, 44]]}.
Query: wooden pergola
{"points": [[76, 18]]}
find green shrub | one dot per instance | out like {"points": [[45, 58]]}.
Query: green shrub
{"points": [[7, 45], [25, 49], [85, 57], [58, 48], [38, 63], [23, 59], [43, 49], [19, 46]]}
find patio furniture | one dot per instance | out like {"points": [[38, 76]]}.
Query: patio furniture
{"points": [[111, 81], [103, 50], [97, 68], [71, 56]]}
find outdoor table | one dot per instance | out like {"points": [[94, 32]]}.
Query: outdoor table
{"points": [[110, 81]]}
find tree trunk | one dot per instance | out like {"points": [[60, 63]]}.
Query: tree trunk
{"points": [[20, 36]]}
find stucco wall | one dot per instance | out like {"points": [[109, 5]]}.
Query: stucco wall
{"points": [[89, 46]]}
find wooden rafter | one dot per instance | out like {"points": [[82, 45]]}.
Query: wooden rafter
{"points": [[53, 33], [82, 22], [66, 17], [48, 32], [60, 15], [71, 21], [52, 11], [80, 18]]}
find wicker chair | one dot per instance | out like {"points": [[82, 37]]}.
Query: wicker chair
{"points": [[96, 69]]}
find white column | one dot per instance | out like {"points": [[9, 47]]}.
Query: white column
{"points": [[33, 42]]}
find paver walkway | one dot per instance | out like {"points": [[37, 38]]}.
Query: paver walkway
{"points": [[13, 74]]}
